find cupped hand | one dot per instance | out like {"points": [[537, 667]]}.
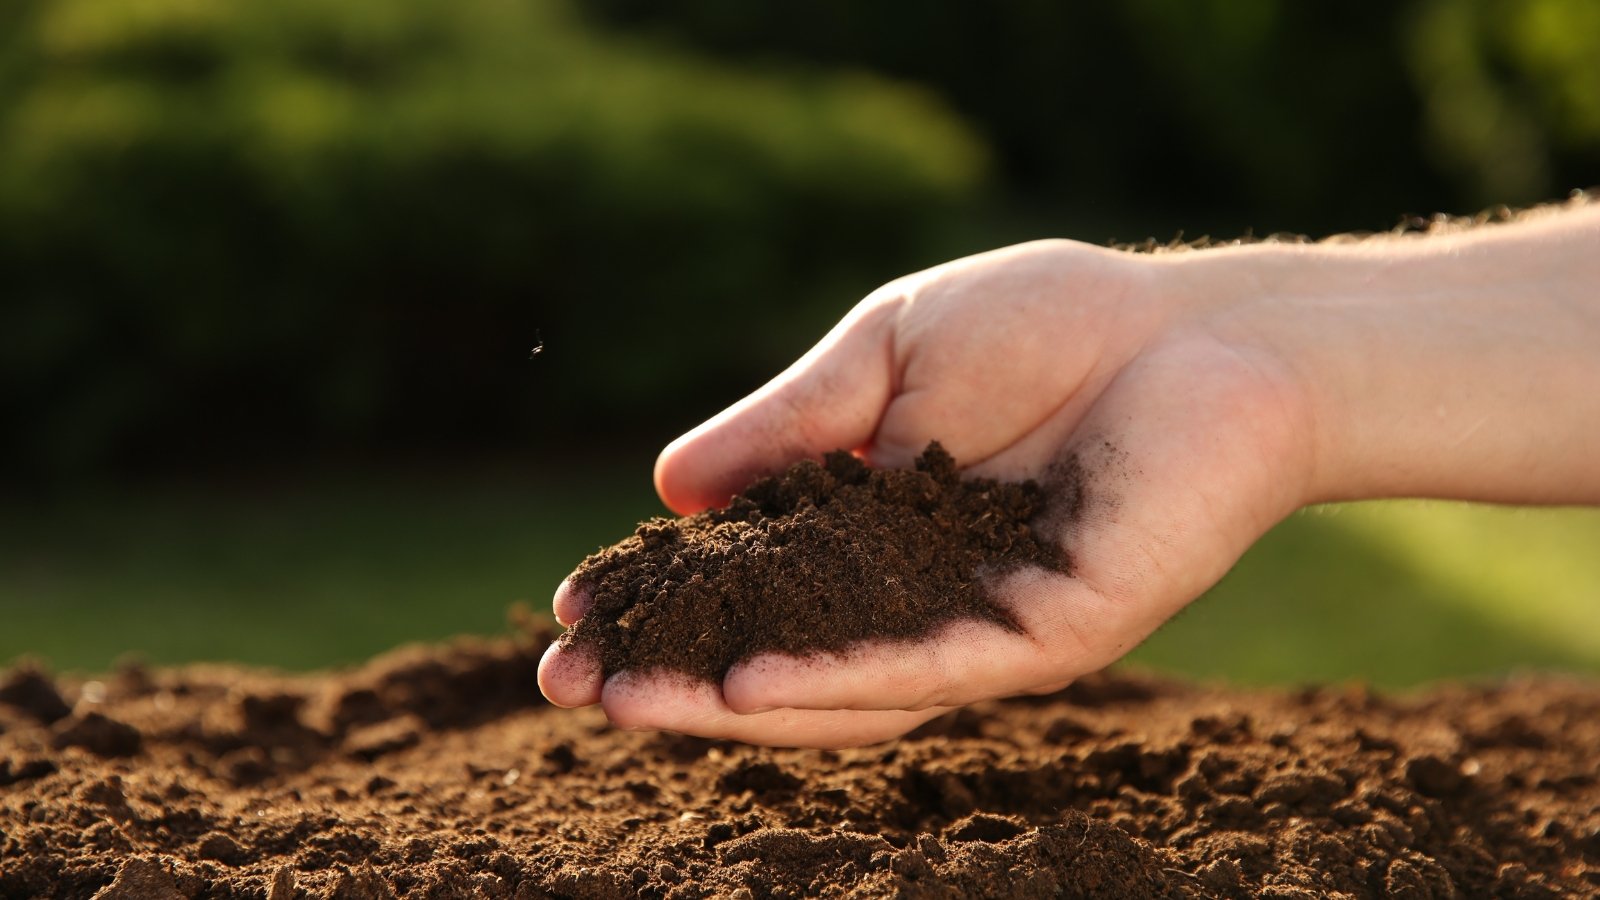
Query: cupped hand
{"points": [[1192, 431]]}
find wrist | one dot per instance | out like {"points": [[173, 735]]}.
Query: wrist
{"points": [[1463, 366]]}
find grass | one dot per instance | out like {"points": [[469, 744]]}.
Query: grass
{"points": [[313, 572], [297, 574], [1398, 593]]}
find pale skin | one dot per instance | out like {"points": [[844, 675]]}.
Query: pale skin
{"points": [[1209, 393]]}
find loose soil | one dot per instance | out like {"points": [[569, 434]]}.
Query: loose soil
{"points": [[789, 565], [437, 772]]}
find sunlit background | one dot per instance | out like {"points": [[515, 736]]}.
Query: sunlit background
{"points": [[272, 271]]}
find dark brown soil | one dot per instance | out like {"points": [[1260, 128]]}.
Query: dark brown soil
{"points": [[790, 564], [437, 773]]}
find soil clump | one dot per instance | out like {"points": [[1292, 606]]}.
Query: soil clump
{"points": [[438, 772], [818, 559]]}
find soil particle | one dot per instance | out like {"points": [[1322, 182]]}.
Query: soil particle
{"points": [[141, 879], [786, 567], [1434, 776], [15, 770], [1122, 786], [372, 741], [361, 884], [30, 690], [987, 828], [283, 884], [99, 734], [222, 848]]}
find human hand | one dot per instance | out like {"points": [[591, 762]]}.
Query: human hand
{"points": [[1205, 395], [1194, 438]]}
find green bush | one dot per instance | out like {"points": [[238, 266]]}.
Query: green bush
{"points": [[1110, 118], [1511, 91], [274, 222]]}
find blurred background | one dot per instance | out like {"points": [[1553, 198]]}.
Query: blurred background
{"points": [[272, 272]]}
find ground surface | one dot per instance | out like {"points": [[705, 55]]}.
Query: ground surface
{"points": [[437, 773]]}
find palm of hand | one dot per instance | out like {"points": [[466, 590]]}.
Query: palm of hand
{"points": [[1190, 437]]}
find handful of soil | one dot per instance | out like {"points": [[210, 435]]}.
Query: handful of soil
{"points": [[819, 559]]}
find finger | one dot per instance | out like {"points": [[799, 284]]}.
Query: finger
{"points": [[831, 398], [568, 676], [1005, 340], [571, 602], [961, 663], [1051, 688], [665, 702]]}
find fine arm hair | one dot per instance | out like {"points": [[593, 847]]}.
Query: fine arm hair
{"points": [[1410, 227]]}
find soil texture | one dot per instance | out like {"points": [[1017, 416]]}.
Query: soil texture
{"points": [[818, 559], [437, 772]]}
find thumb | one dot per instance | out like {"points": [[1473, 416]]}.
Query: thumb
{"points": [[831, 398]]}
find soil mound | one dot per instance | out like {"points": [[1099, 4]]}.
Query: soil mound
{"points": [[437, 772], [786, 566]]}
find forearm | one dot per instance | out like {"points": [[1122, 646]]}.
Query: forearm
{"points": [[1463, 366]]}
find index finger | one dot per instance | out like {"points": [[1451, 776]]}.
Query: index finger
{"points": [[832, 397]]}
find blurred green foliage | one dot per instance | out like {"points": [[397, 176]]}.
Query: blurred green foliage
{"points": [[303, 230], [279, 229], [286, 221], [1511, 90], [1224, 115]]}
